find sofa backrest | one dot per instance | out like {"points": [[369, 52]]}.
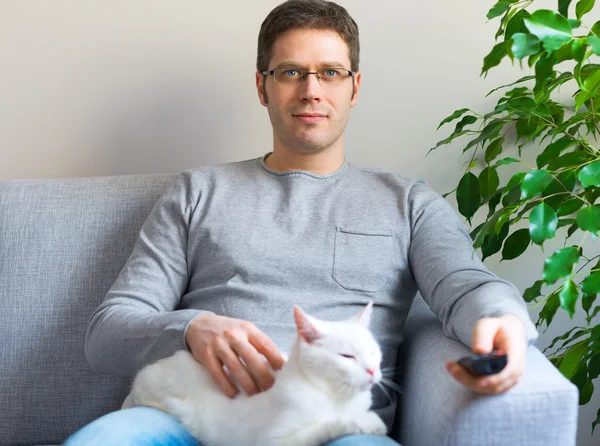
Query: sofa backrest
{"points": [[62, 244]]}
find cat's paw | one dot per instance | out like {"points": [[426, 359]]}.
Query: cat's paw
{"points": [[370, 424]]}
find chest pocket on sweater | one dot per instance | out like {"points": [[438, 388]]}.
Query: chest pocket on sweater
{"points": [[361, 259]]}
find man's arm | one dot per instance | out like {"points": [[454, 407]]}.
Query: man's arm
{"points": [[458, 287], [137, 323]]}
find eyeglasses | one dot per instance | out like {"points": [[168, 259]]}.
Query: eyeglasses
{"points": [[325, 76]]}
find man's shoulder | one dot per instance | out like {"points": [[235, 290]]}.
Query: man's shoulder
{"points": [[228, 168], [386, 177]]}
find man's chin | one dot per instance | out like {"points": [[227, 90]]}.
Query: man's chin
{"points": [[310, 149]]}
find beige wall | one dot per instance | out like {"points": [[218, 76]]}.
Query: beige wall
{"points": [[119, 87]]}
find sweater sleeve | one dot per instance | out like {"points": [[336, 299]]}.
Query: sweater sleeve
{"points": [[452, 279], [138, 321]]}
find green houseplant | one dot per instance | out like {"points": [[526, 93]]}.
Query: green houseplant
{"points": [[555, 197]]}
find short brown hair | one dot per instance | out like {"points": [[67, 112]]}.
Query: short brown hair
{"points": [[307, 14]]}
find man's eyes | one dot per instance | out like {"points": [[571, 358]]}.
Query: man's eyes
{"points": [[326, 73]]}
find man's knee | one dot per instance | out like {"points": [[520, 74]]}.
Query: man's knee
{"points": [[139, 426], [364, 440]]}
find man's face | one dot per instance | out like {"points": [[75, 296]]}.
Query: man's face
{"points": [[311, 50]]}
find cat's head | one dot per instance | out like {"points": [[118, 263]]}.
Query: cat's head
{"points": [[344, 355]]}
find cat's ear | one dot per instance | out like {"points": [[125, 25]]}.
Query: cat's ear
{"points": [[308, 327], [364, 317]]}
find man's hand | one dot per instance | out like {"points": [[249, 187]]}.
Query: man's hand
{"points": [[217, 341], [506, 334]]}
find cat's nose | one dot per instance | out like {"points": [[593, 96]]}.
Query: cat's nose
{"points": [[371, 372]]}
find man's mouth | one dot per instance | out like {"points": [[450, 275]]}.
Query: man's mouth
{"points": [[310, 117]]}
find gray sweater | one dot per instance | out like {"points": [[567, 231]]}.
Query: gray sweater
{"points": [[244, 241]]}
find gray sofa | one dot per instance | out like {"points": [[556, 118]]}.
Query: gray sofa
{"points": [[63, 243]]}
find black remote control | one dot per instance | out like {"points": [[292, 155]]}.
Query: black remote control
{"points": [[484, 364]]}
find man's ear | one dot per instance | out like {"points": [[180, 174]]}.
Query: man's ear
{"points": [[308, 327], [355, 88], [261, 88]]}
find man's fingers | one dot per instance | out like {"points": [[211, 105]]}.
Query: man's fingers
{"points": [[483, 335], [237, 370], [215, 368], [263, 344], [254, 362], [487, 385]]}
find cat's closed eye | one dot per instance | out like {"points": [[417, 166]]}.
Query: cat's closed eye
{"points": [[347, 356]]}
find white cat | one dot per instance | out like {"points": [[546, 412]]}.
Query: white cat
{"points": [[322, 392]]}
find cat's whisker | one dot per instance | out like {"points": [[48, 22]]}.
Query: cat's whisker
{"points": [[392, 385], [385, 391]]}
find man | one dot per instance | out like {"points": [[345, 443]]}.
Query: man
{"points": [[229, 249]]}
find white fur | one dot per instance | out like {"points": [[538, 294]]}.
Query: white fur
{"points": [[318, 395]]}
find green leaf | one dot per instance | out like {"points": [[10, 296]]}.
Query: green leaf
{"points": [[494, 149], [572, 359], [588, 219], [568, 297], [588, 89], [524, 45], [467, 120], [493, 203], [574, 24], [585, 395], [544, 70], [594, 43], [493, 242], [511, 197], [571, 159], [561, 264], [489, 131], [578, 49], [596, 422], [590, 175], [558, 189], [577, 335], [488, 181], [553, 150], [516, 244], [549, 310], [587, 301], [534, 183], [468, 195], [569, 206], [523, 79], [505, 161], [592, 194], [551, 28], [583, 7], [495, 56], [594, 314], [516, 25], [448, 140], [542, 223], [533, 291], [591, 284], [594, 366], [499, 8], [457, 114], [563, 7]]}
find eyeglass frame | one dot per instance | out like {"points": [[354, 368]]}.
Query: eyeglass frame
{"points": [[306, 73]]}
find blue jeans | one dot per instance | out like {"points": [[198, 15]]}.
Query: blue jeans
{"points": [[143, 426]]}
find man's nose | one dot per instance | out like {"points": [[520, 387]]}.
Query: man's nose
{"points": [[310, 88]]}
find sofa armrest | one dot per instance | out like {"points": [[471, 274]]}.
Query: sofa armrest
{"points": [[436, 410]]}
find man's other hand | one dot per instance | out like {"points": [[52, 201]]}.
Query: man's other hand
{"points": [[217, 341], [506, 334]]}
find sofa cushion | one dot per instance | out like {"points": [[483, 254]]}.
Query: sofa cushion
{"points": [[62, 245]]}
